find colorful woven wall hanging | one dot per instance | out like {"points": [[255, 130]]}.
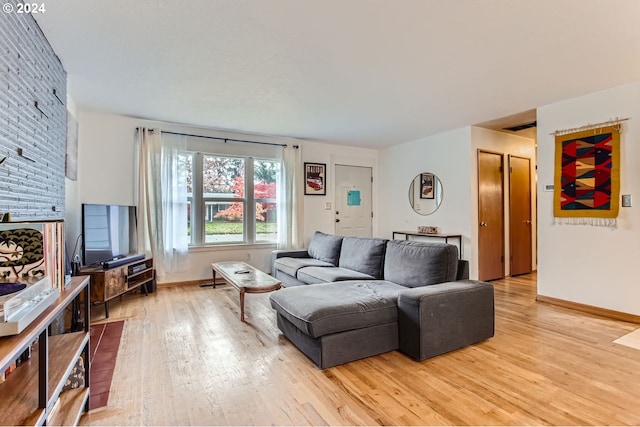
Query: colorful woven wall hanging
{"points": [[587, 177]]}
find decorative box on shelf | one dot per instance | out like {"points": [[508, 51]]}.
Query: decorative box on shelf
{"points": [[32, 249], [427, 229], [31, 271], [18, 309]]}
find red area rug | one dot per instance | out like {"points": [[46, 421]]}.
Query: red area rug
{"points": [[105, 340]]}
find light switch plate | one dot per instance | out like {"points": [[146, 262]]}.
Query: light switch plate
{"points": [[626, 200], [327, 205]]}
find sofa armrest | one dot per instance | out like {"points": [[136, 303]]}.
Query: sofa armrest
{"points": [[436, 319], [463, 270], [281, 253]]}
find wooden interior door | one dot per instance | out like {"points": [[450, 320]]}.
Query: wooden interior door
{"points": [[520, 230], [490, 216]]}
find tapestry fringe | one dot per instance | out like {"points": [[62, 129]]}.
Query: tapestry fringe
{"points": [[596, 222]]}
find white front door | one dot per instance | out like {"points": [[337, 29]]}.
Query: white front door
{"points": [[353, 201]]}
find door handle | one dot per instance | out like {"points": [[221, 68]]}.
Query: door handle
{"points": [[337, 219], [483, 224], [528, 222]]}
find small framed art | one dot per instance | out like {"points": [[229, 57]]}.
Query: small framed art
{"points": [[426, 186], [315, 179]]}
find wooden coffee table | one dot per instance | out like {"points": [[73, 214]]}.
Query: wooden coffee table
{"points": [[245, 279]]}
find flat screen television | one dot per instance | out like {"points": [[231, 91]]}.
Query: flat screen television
{"points": [[109, 232]]}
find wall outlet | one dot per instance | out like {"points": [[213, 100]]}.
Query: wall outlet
{"points": [[248, 256], [626, 200]]}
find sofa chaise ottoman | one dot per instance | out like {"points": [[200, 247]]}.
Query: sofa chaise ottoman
{"points": [[414, 305]]}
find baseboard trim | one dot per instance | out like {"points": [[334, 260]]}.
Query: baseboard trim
{"points": [[598, 311]]}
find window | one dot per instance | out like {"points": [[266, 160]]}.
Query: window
{"points": [[264, 194], [232, 199]]}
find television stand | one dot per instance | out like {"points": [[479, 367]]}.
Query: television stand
{"points": [[108, 283]]}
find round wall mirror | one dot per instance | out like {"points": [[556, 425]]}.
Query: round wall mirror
{"points": [[425, 193]]}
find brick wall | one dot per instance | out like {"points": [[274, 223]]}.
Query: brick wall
{"points": [[33, 94]]}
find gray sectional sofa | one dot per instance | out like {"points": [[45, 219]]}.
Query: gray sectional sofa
{"points": [[347, 298]]}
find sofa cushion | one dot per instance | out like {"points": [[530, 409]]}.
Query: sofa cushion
{"points": [[413, 264], [287, 281], [325, 247], [312, 275], [363, 254], [292, 265], [328, 308]]}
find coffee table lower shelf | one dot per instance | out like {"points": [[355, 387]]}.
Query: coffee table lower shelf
{"points": [[245, 278]]}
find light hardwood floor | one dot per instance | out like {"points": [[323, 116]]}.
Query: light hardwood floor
{"points": [[186, 359]]}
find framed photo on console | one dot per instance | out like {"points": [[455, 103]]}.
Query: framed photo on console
{"points": [[315, 179]]}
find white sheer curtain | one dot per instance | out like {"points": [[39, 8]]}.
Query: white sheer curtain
{"points": [[162, 200], [290, 206]]}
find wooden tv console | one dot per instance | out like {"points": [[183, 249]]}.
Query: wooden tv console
{"points": [[107, 284]]}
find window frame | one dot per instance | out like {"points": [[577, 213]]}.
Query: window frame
{"points": [[198, 201]]}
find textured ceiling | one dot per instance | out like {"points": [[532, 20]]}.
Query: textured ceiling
{"points": [[360, 72]]}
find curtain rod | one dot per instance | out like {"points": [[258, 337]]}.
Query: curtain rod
{"points": [[590, 126], [225, 139]]}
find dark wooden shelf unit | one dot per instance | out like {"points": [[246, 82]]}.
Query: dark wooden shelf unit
{"points": [[107, 284], [29, 393]]}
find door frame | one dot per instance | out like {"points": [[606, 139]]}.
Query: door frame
{"points": [[336, 193], [367, 162], [530, 210]]}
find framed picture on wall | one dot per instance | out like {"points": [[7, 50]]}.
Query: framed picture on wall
{"points": [[315, 179], [427, 189]]}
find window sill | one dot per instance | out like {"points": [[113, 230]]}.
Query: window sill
{"points": [[232, 246]]}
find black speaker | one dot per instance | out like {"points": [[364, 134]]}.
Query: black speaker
{"points": [[150, 287], [67, 262], [75, 269]]}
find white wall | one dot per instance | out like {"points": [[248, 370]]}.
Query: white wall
{"points": [[452, 156], [588, 265], [72, 200], [506, 144], [447, 155], [106, 174], [316, 217], [585, 264]]}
